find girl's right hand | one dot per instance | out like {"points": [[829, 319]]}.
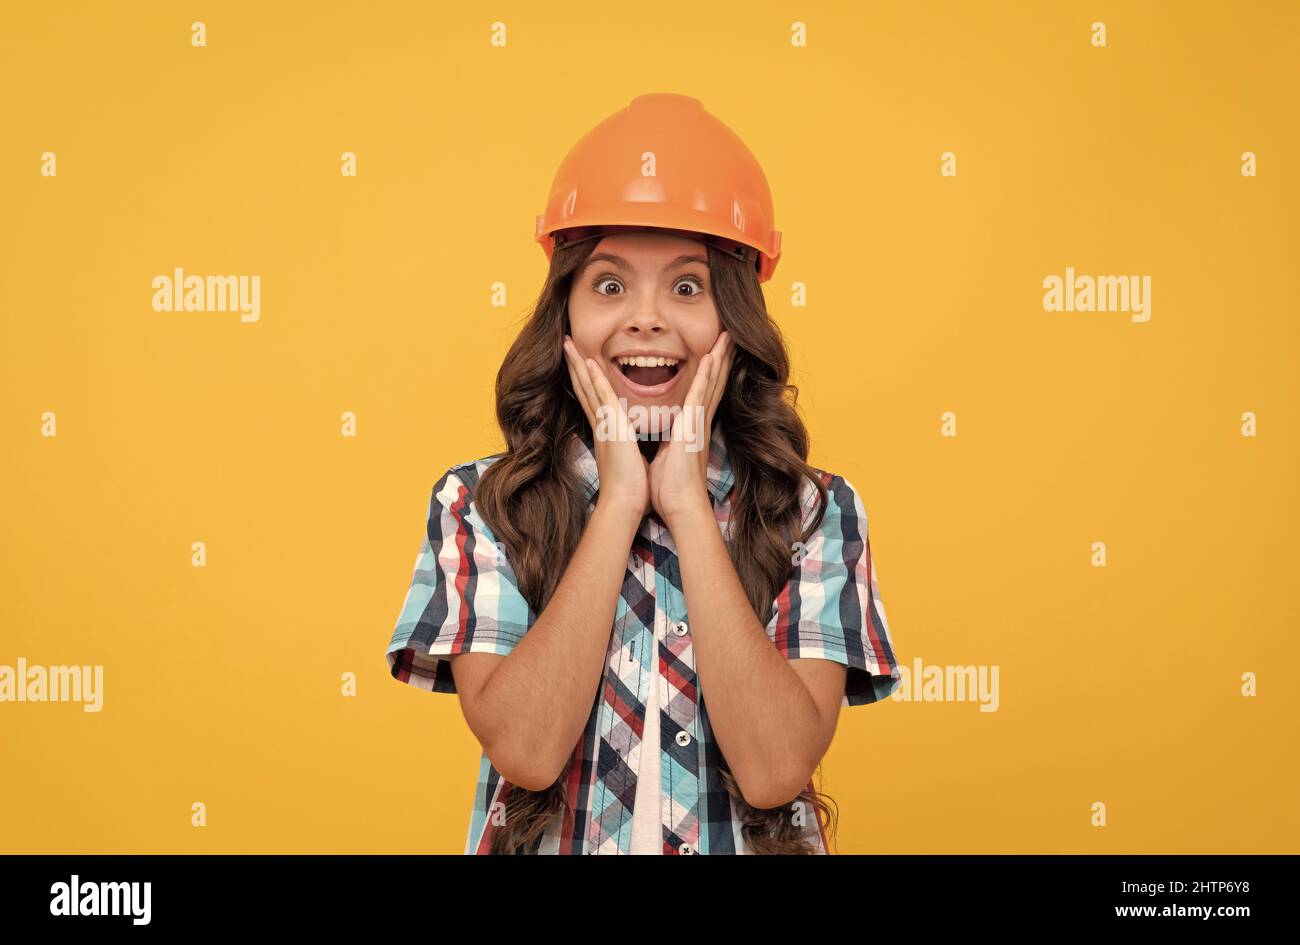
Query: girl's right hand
{"points": [[624, 472]]}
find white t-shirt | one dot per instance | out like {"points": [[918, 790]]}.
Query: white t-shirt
{"points": [[647, 831], [647, 810]]}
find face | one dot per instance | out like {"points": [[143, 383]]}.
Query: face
{"points": [[645, 296]]}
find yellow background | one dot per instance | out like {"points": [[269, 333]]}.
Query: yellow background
{"points": [[222, 684]]}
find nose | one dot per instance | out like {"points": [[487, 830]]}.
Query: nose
{"points": [[644, 318]]}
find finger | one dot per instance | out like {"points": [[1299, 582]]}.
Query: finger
{"points": [[601, 383], [694, 398], [724, 378], [606, 397], [701, 381], [717, 364], [720, 380], [588, 386], [578, 393], [571, 363]]}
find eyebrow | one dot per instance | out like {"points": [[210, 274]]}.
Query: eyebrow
{"points": [[626, 266]]}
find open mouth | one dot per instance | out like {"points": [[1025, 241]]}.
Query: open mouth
{"points": [[649, 372]]}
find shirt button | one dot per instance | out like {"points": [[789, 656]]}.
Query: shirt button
{"points": [[680, 628], [685, 850], [683, 738]]}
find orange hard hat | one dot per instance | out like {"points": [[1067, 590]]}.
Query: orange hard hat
{"points": [[664, 163]]}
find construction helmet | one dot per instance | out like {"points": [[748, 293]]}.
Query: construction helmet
{"points": [[664, 163]]}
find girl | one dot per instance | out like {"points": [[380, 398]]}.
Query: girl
{"points": [[652, 540]]}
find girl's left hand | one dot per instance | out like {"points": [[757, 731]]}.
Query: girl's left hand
{"points": [[678, 476]]}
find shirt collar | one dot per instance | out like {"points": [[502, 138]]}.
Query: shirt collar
{"points": [[719, 474]]}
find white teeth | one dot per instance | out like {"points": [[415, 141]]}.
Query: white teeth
{"points": [[648, 362]]}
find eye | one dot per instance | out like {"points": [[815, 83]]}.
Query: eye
{"points": [[695, 281], [692, 280], [602, 279]]}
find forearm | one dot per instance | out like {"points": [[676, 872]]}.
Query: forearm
{"points": [[762, 714], [540, 697]]}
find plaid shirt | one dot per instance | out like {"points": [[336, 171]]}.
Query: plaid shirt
{"points": [[464, 598]]}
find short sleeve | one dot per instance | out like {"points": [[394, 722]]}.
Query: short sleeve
{"points": [[830, 608], [463, 596]]}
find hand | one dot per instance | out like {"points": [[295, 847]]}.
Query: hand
{"points": [[679, 476], [624, 472]]}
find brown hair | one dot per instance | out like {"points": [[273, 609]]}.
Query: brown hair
{"points": [[535, 504]]}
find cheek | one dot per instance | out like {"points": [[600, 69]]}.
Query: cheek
{"points": [[700, 338], [585, 330]]}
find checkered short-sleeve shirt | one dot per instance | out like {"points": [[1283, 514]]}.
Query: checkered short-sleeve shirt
{"points": [[464, 598]]}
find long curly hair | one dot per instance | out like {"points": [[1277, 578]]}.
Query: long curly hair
{"points": [[536, 505]]}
